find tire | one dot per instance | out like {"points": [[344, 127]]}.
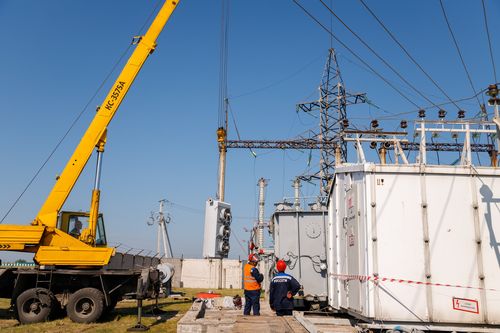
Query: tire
{"points": [[34, 305], [109, 308], [85, 305]]}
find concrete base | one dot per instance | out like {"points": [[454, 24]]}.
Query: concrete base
{"points": [[325, 324], [199, 319]]}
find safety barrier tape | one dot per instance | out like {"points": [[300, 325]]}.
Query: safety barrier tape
{"points": [[373, 278]]}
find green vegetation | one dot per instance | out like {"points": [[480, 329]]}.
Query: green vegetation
{"points": [[123, 317]]}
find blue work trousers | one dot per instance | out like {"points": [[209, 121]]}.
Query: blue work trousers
{"points": [[252, 301]]}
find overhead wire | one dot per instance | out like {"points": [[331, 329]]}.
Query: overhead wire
{"points": [[440, 104], [72, 125], [420, 67], [224, 26], [77, 118], [459, 52], [385, 62], [356, 55], [489, 41], [279, 81], [236, 128]]}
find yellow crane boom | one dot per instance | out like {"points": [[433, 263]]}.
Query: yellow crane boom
{"points": [[56, 247]]}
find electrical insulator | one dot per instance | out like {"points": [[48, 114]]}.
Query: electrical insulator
{"points": [[373, 145], [494, 101], [461, 114], [387, 145], [493, 92], [374, 123], [421, 113], [441, 113], [404, 124], [221, 134], [345, 123]]}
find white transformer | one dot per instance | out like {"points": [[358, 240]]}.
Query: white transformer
{"points": [[415, 243], [217, 229]]}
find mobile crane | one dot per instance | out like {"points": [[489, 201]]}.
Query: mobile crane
{"points": [[75, 268]]}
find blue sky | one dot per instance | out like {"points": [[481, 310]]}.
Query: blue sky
{"points": [[162, 143]]}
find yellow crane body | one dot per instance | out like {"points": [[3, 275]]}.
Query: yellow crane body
{"points": [[51, 245]]}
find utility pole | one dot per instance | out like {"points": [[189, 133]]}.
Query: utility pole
{"points": [[162, 239], [222, 141]]}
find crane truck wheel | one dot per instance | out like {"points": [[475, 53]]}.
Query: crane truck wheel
{"points": [[34, 305], [85, 305], [109, 308]]}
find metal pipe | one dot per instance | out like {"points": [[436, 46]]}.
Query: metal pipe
{"points": [[338, 156], [98, 169], [260, 227], [493, 158], [382, 153], [296, 186]]}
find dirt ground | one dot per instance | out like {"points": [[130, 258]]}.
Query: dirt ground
{"points": [[123, 317]]}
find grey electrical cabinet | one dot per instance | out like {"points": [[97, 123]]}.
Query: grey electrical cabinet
{"points": [[217, 229], [300, 240]]}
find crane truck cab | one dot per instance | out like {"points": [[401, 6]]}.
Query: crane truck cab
{"points": [[73, 223]]}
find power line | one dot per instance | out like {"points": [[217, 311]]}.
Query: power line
{"points": [[489, 42], [459, 52], [440, 104], [275, 83], [73, 124], [99, 88], [406, 52], [224, 26], [356, 55], [377, 54]]}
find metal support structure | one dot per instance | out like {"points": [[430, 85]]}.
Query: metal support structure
{"points": [[495, 101], [260, 226], [467, 128], [162, 239], [332, 96]]}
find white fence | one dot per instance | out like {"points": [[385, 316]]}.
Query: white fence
{"points": [[207, 273]]}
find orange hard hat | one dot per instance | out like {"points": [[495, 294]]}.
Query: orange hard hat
{"points": [[281, 266], [253, 258]]}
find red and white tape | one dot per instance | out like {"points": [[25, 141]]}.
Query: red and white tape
{"points": [[373, 278]]}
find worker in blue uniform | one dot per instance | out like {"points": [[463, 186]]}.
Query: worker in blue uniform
{"points": [[252, 280], [281, 291]]}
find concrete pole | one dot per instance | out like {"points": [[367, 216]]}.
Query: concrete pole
{"points": [[296, 186], [260, 227]]}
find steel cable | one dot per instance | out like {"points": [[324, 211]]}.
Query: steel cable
{"points": [[489, 42], [459, 52], [356, 55], [80, 114], [407, 53], [377, 55]]}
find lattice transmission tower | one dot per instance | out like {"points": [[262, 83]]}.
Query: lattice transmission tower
{"points": [[332, 108]]}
